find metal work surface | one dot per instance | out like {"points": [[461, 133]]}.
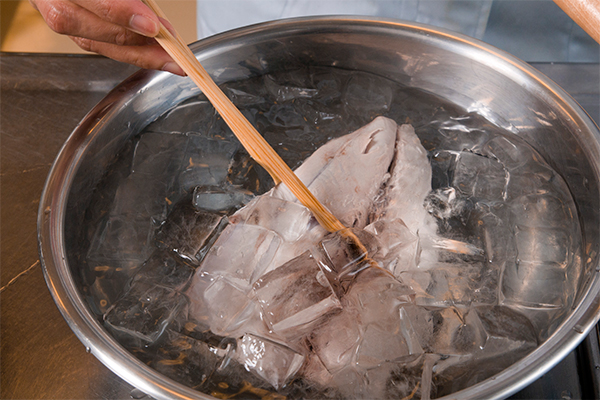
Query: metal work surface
{"points": [[42, 100]]}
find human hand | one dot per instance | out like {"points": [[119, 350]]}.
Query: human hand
{"points": [[119, 29]]}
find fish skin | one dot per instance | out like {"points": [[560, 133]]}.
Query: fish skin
{"points": [[408, 186], [346, 173]]}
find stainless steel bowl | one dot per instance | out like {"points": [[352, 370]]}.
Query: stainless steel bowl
{"points": [[465, 71]]}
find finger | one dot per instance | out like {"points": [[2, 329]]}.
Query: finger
{"points": [[67, 18], [130, 14], [148, 57]]}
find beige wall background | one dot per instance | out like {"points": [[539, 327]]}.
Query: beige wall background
{"points": [[24, 30]]}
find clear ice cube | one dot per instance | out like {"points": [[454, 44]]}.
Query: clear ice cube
{"points": [[448, 331], [295, 295], [399, 248], [273, 362], [431, 287], [380, 344], [336, 340], [143, 313], [220, 199], [509, 334], [479, 176], [543, 245], [347, 253], [352, 383], [206, 162], [122, 242], [158, 157], [457, 331], [189, 232], [367, 94], [186, 360], [289, 220], [228, 306], [193, 115], [542, 285], [241, 253], [512, 154], [142, 196], [377, 296], [165, 270], [543, 210], [283, 91]]}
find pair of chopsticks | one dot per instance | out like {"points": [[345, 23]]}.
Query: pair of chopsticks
{"points": [[252, 141]]}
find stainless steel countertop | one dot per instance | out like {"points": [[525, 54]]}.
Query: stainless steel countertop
{"points": [[43, 97]]}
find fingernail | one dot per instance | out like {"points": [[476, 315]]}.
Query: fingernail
{"points": [[168, 25], [143, 25], [173, 68]]}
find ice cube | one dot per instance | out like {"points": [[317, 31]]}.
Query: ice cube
{"points": [[184, 359], [381, 343], [445, 203], [143, 196], [241, 253], [158, 157], [195, 114], [543, 210], [190, 233], [295, 295], [367, 94], [206, 367], [399, 248], [543, 245], [143, 313], [165, 270], [336, 340], [541, 285], [352, 383], [220, 199], [105, 290], [286, 91], [315, 372], [347, 253], [431, 287], [206, 162], [274, 362], [122, 242], [377, 296], [228, 306], [405, 379], [289, 220], [247, 174], [510, 337], [508, 332], [479, 176], [449, 331], [243, 98], [513, 155]]}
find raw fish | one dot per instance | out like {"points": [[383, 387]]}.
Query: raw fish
{"points": [[265, 275]]}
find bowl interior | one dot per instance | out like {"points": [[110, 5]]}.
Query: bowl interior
{"points": [[466, 73]]}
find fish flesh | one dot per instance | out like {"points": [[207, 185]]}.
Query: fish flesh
{"points": [[271, 274]]}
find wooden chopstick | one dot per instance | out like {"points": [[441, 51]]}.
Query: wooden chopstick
{"points": [[252, 141], [585, 13]]}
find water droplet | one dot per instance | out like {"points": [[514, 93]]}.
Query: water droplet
{"points": [[566, 395], [137, 394], [578, 329], [88, 350], [47, 210]]}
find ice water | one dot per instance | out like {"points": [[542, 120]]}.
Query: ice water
{"points": [[421, 318]]}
